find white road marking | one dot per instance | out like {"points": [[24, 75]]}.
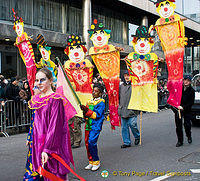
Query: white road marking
{"points": [[163, 177], [195, 170]]}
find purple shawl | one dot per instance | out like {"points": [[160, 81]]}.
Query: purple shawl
{"points": [[51, 132]]}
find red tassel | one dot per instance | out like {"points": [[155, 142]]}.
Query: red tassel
{"points": [[84, 48], [66, 51]]}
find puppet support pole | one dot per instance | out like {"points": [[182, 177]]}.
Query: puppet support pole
{"points": [[68, 81], [179, 114], [140, 127]]}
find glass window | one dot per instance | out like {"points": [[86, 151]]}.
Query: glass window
{"points": [[111, 22], [23, 7], [47, 15], [74, 21], [189, 8], [196, 58]]}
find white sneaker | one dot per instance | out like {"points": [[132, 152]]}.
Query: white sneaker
{"points": [[88, 167], [95, 167]]}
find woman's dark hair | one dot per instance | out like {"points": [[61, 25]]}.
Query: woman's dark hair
{"points": [[99, 86], [47, 72]]}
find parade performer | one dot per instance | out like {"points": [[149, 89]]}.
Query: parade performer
{"points": [[107, 59], [171, 31], [79, 69], [30, 175], [50, 143], [187, 100], [45, 61], [94, 115], [142, 66], [128, 116], [25, 49], [80, 72]]}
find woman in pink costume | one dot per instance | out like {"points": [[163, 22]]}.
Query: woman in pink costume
{"points": [[50, 129]]}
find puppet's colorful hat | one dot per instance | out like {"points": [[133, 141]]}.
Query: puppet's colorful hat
{"points": [[16, 17], [41, 42], [142, 32], [159, 1], [74, 40], [97, 26]]}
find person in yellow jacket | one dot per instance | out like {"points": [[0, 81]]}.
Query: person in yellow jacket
{"points": [[80, 72]]}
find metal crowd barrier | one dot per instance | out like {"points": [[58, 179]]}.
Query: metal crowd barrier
{"points": [[14, 115], [1, 117]]}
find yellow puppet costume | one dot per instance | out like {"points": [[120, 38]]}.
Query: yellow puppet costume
{"points": [[45, 60], [142, 66], [107, 59], [79, 70], [170, 29]]}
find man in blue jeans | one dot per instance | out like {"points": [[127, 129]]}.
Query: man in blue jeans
{"points": [[128, 116]]}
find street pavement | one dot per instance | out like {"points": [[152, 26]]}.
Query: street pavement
{"points": [[156, 157]]}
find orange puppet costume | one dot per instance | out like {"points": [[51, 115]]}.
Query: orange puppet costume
{"points": [[107, 60], [142, 66], [170, 29], [78, 69], [25, 49]]}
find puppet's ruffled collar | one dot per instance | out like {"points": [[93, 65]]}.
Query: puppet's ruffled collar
{"points": [[37, 101]]}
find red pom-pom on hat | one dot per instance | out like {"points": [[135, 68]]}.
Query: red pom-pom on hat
{"points": [[95, 21]]}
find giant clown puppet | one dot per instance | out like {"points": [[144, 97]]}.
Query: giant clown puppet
{"points": [[142, 66], [45, 61], [78, 68], [170, 29], [25, 49], [107, 59]]}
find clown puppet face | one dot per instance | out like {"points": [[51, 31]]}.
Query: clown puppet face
{"points": [[19, 28], [165, 9], [142, 46], [100, 38], [76, 53], [45, 54]]}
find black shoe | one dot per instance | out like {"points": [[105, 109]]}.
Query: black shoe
{"points": [[178, 144], [137, 141], [75, 146], [125, 146], [190, 140]]}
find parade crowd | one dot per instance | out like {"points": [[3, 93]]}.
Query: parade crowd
{"points": [[16, 88]]}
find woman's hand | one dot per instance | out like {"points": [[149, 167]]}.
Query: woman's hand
{"points": [[45, 157], [27, 143]]}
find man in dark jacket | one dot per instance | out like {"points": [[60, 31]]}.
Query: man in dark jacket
{"points": [[187, 100], [128, 116], [12, 90], [2, 88]]}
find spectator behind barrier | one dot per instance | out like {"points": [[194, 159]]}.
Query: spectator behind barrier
{"points": [[12, 90], [25, 92], [2, 88]]}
